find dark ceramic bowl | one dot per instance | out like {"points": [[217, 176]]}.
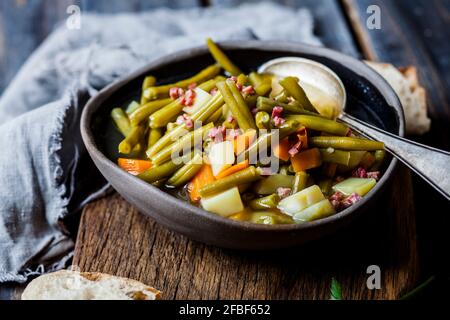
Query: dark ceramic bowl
{"points": [[369, 98]]}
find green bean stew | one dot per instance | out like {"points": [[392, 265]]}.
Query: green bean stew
{"points": [[247, 147]]}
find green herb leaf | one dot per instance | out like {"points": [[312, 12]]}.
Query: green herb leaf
{"points": [[335, 290]]}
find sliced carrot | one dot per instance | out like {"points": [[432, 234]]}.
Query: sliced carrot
{"points": [[242, 142], [233, 169], [307, 159], [302, 136], [134, 166], [203, 177], [281, 150]]}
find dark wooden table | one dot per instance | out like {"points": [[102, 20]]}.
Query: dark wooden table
{"points": [[407, 236]]}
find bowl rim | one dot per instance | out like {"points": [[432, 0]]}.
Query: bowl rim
{"points": [[355, 65]]}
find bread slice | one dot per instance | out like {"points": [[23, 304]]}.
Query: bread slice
{"points": [[72, 285], [412, 95]]}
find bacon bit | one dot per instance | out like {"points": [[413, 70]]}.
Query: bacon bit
{"points": [[239, 86], [336, 205], [278, 121], [265, 171], [233, 133], [336, 199], [184, 118], [233, 78], [360, 172], [349, 132], [277, 111], [374, 174], [192, 86], [353, 198], [337, 196], [189, 98], [189, 123], [213, 91], [283, 192], [295, 148], [176, 92], [217, 133], [230, 119], [248, 90], [180, 120]]}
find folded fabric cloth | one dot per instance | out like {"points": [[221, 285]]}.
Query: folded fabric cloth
{"points": [[45, 173]]}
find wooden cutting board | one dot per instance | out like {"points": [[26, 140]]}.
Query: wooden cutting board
{"points": [[115, 238]]}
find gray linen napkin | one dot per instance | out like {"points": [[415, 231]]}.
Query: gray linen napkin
{"points": [[45, 173]]}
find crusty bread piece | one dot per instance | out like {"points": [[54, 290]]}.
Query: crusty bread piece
{"points": [[412, 95], [72, 285]]}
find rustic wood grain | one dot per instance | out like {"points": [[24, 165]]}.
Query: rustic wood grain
{"points": [[330, 24], [116, 239], [417, 33], [413, 33]]}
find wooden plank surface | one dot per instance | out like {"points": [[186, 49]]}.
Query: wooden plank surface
{"points": [[417, 33], [116, 239]]}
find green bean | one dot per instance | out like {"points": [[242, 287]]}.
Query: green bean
{"points": [[166, 114], [236, 104], [270, 184], [325, 186], [335, 156], [268, 202], [242, 104], [131, 140], [270, 218], [208, 85], [267, 104], [284, 170], [282, 97], [290, 84], [186, 172], [320, 124], [264, 141], [157, 173], [215, 117], [121, 121], [148, 82], [170, 126], [222, 59], [143, 112], [247, 175], [262, 83], [163, 90], [133, 106], [153, 136], [143, 100], [187, 141], [241, 79], [300, 181], [201, 115], [346, 143], [379, 158], [208, 109], [233, 106], [250, 100], [262, 120]]}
